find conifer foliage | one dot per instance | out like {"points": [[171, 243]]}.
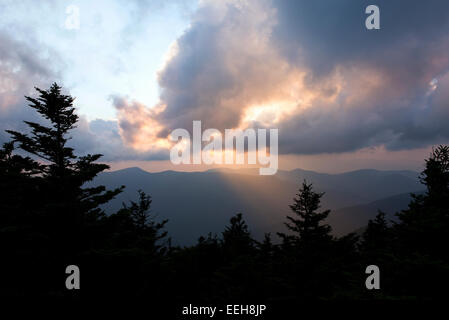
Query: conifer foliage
{"points": [[307, 225], [52, 217]]}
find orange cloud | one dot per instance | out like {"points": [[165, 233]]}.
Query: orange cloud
{"points": [[138, 126]]}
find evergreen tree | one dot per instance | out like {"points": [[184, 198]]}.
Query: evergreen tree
{"points": [[307, 250], [376, 248], [55, 160], [307, 225], [146, 230], [236, 237], [376, 235], [15, 187], [423, 226], [59, 216], [421, 234], [266, 247]]}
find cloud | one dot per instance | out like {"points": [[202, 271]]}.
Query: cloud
{"points": [[309, 68], [20, 71], [324, 34], [104, 137], [138, 129], [312, 70]]}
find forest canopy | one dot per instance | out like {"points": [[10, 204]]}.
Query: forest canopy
{"points": [[49, 219]]}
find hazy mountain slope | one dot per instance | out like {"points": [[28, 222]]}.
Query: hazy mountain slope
{"points": [[349, 219], [360, 186], [200, 202]]}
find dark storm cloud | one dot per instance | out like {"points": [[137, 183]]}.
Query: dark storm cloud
{"points": [[327, 33], [409, 50], [368, 87], [311, 68]]}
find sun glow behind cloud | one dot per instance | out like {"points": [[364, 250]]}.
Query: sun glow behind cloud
{"points": [[267, 115], [232, 64], [231, 70]]}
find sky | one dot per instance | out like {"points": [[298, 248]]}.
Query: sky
{"points": [[343, 97]]}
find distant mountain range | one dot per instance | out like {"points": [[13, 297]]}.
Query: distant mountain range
{"points": [[350, 219], [200, 202]]}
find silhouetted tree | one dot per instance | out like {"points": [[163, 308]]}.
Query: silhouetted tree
{"points": [[307, 225], [147, 231], [16, 189], [133, 246], [308, 247], [266, 246], [49, 218], [55, 161], [424, 223], [376, 235], [421, 235], [61, 215], [236, 237]]}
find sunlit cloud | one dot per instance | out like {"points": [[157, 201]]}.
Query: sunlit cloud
{"points": [[138, 127], [237, 65]]}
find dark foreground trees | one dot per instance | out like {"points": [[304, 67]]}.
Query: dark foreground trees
{"points": [[413, 252], [49, 219]]}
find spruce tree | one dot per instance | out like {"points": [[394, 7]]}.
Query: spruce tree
{"points": [[308, 248], [55, 161], [146, 232], [420, 236], [423, 226], [376, 245], [59, 216], [266, 247], [306, 226], [376, 235], [236, 237]]}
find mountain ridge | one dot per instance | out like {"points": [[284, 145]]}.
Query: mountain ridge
{"points": [[203, 201]]}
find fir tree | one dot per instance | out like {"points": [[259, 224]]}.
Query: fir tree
{"points": [[65, 172], [308, 248], [307, 225], [56, 217], [375, 236], [147, 231], [423, 226], [55, 160], [236, 237]]}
